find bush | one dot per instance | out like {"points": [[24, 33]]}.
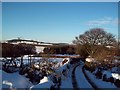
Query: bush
{"points": [[90, 66], [98, 74], [104, 77], [117, 83], [24, 70], [111, 79], [81, 50]]}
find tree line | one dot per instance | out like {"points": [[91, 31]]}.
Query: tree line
{"points": [[17, 50], [95, 42], [59, 50]]}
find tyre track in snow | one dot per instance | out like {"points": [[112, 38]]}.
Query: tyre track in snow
{"points": [[81, 79], [74, 82], [89, 80], [77, 85]]}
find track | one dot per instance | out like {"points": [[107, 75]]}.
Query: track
{"points": [[92, 84], [80, 80], [74, 82]]}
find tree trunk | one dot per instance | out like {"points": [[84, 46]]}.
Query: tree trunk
{"points": [[13, 59], [30, 60], [21, 61]]}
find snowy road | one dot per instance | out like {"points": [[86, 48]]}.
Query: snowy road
{"points": [[80, 78]]}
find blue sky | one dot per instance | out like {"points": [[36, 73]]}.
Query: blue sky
{"points": [[56, 22]]}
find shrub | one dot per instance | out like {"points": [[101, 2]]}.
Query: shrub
{"points": [[98, 74], [117, 83]]}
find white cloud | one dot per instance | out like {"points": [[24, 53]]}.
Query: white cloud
{"points": [[103, 21]]}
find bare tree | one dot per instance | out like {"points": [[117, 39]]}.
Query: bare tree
{"points": [[93, 38], [96, 36]]}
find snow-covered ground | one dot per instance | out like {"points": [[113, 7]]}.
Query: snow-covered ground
{"points": [[98, 82], [110, 73], [66, 55], [44, 83], [59, 60], [67, 81], [116, 76], [81, 80], [10, 79], [14, 80]]}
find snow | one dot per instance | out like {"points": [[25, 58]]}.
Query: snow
{"points": [[116, 76], [14, 80], [56, 59], [67, 59], [89, 59], [64, 66], [110, 46], [67, 81], [0, 79], [44, 83], [81, 80], [36, 66], [45, 79], [107, 73], [7, 83], [112, 74], [25, 57], [98, 82], [39, 49], [66, 55], [1, 58], [114, 69], [116, 61]]}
